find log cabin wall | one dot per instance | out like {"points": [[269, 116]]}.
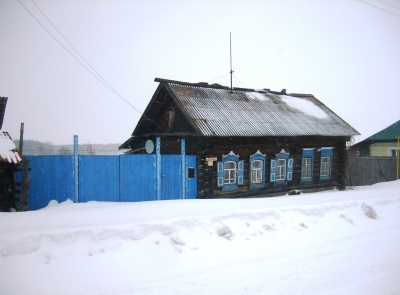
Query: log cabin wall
{"points": [[207, 147], [245, 147]]}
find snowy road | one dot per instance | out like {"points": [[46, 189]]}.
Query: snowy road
{"points": [[321, 243]]}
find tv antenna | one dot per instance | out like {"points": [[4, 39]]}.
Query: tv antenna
{"points": [[230, 47]]}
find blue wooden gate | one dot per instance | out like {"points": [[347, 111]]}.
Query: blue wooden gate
{"points": [[98, 178], [123, 178], [138, 179], [171, 182]]}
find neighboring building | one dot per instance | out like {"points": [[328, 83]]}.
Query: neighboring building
{"points": [[381, 144], [247, 141], [9, 159]]}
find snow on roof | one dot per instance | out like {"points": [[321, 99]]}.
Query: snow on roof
{"points": [[304, 106], [8, 150], [220, 111], [257, 95]]}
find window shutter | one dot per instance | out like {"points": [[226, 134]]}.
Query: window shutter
{"points": [[326, 152], [220, 174], [240, 172], [273, 170], [289, 169]]}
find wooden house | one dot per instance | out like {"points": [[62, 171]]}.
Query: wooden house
{"points": [[247, 141], [9, 160], [381, 144]]}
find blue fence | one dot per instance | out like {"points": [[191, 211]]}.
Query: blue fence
{"points": [[123, 178]]}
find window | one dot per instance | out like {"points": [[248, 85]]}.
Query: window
{"points": [[306, 168], [257, 171], [326, 163], [190, 172], [230, 172], [325, 166], [307, 165], [281, 168], [392, 152]]}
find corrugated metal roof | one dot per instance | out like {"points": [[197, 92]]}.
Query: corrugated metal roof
{"points": [[216, 111], [390, 133]]}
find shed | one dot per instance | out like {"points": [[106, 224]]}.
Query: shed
{"points": [[9, 160], [247, 141]]}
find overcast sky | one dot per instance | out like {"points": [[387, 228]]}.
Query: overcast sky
{"points": [[346, 53]]}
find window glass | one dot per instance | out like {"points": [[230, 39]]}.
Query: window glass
{"points": [[229, 172], [190, 172], [281, 169], [256, 171], [325, 166], [306, 169]]}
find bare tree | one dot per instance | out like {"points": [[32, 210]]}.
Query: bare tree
{"points": [[42, 150], [90, 149], [64, 151]]}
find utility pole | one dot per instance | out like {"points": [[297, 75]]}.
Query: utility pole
{"points": [[21, 139], [230, 47]]}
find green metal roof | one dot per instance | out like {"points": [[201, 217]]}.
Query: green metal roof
{"points": [[388, 134]]}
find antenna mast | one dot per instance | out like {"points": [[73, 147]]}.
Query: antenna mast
{"points": [[230, 47]]}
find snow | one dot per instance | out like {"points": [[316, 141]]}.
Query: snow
{"points": [[7, 148], [334, 242], [257, 95], [304, 106]]}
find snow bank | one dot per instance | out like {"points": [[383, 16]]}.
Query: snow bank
{"points": [[323, 243]]}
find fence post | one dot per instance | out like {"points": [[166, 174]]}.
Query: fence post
{"points": [[158, 164], [76, 168], [183, 167]]}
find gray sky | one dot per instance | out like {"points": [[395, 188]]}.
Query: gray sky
{"points": [[345, 53]]}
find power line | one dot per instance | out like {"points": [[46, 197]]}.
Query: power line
{"points": [[380, 8], [76, 50], [217, 78], [389, 4], [102, 80]]}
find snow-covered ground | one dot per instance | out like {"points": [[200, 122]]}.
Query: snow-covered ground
{"points": [[322, 243]]}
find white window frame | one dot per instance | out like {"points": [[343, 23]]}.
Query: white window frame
{"points": [[390, 150], [232, 172], [256, 173], [306, 171], [280, 170], [325, 170]]}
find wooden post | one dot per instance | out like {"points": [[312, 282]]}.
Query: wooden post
{"points": [[25, 181], [183, 167], [76, 168], [398, 157], [21, 139], [158, 164]]}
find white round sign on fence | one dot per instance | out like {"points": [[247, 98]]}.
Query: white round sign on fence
{"points": [[149, 146]]}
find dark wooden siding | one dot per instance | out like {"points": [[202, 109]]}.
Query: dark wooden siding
{"points": [[244, 147], [157, 118], [208, 147], [7, 186]]}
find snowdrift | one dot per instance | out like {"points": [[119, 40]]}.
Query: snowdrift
{"points": [[322, 243]]}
